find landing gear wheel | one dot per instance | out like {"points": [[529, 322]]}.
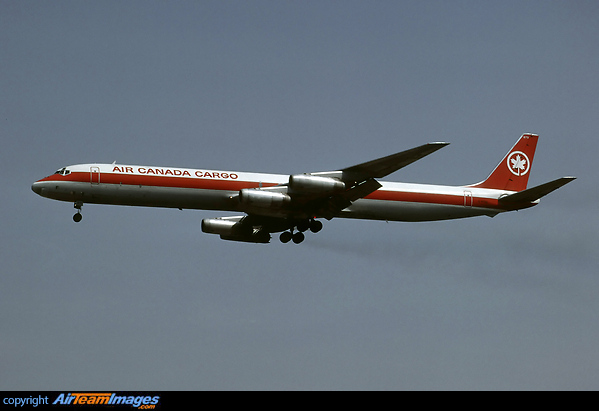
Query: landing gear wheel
{"points": [[298, 237], [315, 226], [77, 217], [303, 225], [285, 237]]}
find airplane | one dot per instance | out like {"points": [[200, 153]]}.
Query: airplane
{"points": [[293, 204]]}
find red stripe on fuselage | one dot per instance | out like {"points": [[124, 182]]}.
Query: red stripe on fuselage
{"points": [[160, 181], [236, 185]]}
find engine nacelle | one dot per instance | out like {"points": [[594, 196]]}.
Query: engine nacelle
{"points": [[305, 183], [261, 198], [221, 226], [233, 230]]}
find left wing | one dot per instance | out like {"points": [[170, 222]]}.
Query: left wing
{"points": [[384, 166], [307, 197]]}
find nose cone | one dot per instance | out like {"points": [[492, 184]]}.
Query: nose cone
{"points": [[37, 187]]}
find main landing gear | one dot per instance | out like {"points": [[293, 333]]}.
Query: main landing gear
{"points": [[77, 217], [313, 225]]}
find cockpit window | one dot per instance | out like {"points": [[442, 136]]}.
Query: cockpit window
{"points": [[63, 171]]}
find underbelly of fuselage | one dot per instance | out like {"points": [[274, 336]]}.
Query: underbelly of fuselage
{"points": [[141, 196], [411, 211]]}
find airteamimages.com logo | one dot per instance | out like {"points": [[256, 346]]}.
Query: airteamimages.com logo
{"points": [[142, 402], [85, 399]]}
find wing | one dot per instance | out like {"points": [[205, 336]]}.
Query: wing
{"points": [[307, 197], [361, 178], [384, 166], [325, 194]]}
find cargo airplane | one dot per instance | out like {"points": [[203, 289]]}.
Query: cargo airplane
{"points": [[292, 205]]}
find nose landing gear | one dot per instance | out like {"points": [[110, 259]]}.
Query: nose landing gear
{"points": [[77, 217]]}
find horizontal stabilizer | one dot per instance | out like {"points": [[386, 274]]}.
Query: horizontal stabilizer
{"points": [[535, 193]]}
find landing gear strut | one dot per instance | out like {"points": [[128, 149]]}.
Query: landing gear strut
{"points": [[77, 217]]}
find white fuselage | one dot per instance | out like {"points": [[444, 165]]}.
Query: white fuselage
{"points": [[186, 188]]}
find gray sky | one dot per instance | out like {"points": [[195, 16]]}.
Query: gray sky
{"points": [[138, 298]]}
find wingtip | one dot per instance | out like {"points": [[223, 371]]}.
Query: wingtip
{"points": [[568, 179]]}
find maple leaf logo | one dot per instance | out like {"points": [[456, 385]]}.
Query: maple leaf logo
{"points": [[518, 163]]}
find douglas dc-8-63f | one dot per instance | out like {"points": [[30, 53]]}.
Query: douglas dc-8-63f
{"points": [[292, 205]]}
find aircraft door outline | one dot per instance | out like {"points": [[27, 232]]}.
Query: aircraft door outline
{"points": [[94, 175]]}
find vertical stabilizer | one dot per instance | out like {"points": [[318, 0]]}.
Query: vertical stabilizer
{"points": [[512, 172]]}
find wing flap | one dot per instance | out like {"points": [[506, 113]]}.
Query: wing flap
{"points": [[362, 190], [338, 202]]}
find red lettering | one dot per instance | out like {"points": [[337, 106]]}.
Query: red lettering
{"points": [[159, 171], [186, 173], [128, 169], [215, 175], [233, 176], [141, 170], [117, 169], [198, 173], [150, 171], [169, 172], [207, 174], [224, 175]]}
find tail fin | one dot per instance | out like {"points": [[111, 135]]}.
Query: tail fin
{"points": [[512, 172]]}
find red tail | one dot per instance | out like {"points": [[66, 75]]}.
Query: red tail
{"points": [[512, 172]]}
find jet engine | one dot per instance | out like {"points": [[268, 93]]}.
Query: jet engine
{"points": [[305, 183], [233, 230], [263, 198], [220, 226]]}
